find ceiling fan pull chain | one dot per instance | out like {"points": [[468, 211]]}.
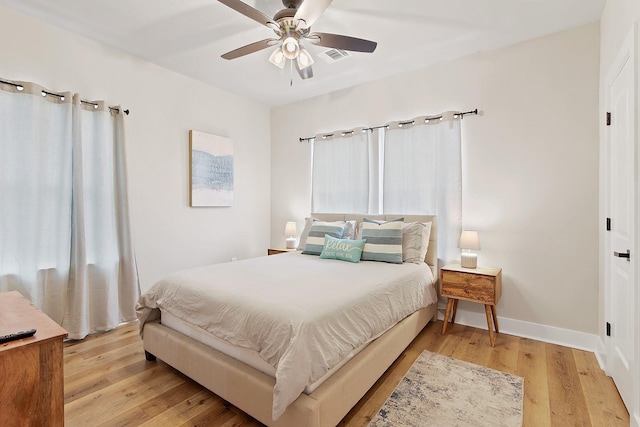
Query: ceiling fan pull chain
{"points": [[291, 74]]}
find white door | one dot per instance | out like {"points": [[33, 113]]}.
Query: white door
{"points": [[620, 249]]}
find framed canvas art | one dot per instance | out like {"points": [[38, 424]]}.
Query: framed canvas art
{"points": [[211, 170]]}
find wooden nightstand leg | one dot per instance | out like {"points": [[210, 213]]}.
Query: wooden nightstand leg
{"points": [[447, 313], [492, 337], [495, 318], [455, 310]]}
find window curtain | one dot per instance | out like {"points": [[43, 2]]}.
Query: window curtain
{"points": [[423, 175], [411, 167], [340, 171], [65, 234], [35, 197]]}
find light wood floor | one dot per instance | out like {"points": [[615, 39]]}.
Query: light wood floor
{"points": [[109, 382]]}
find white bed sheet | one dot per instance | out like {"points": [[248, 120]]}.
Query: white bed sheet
{"points": [[300, 313], [245, 355]]}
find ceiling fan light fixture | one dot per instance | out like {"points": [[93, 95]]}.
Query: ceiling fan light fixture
{"points": [[304, 59], [292, 25], [277, 58], [290, 48]]}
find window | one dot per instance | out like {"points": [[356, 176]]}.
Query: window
{"points": [[405, 168]]}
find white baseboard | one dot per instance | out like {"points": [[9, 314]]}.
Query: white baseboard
{"points": [[550, 334], [601, 355]]}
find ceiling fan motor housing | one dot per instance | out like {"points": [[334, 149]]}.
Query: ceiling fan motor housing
{"points": [[291, 4], [284, 14]]}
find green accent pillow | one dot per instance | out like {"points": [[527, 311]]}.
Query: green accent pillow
{"points": [[342, 249]]}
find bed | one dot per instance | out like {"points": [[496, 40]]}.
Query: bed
{"points": [[266, 372]]}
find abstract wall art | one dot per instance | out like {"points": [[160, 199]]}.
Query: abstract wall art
{"points": [[211, 170]]}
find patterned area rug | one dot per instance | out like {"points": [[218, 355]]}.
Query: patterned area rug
{"points": [[441, 391]]}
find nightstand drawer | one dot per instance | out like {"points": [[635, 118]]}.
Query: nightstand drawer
{"points": [[468, 286]]}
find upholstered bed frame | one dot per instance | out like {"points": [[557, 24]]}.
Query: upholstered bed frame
{"points": [[252, 390]]}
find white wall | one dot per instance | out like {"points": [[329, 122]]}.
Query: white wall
{"points": [[530, 164], [164, 107]]}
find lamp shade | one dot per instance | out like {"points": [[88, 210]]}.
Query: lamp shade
{"points": [[304, 59], [277, 58], [290, 229], [290, 47], [469, 240]]}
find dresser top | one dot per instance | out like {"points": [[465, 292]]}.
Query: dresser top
{"points": [[18, 314], [486, 271]]}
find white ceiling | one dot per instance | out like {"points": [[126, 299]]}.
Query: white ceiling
{"points": [[188, 36]]}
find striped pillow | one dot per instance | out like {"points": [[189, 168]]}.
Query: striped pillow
{"points": [[384, 240], [315, 240]]}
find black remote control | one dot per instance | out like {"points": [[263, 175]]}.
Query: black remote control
{"points": [[16, 336]]}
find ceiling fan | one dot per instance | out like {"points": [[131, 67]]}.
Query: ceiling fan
{"points": [[292, 25]]}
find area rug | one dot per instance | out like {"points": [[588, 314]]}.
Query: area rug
{"points": [[442, 391]]}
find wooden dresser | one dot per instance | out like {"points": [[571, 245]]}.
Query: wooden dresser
{"points": [[31, 369]]}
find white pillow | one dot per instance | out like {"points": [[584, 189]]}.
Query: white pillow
{"points": [[415, 241]]}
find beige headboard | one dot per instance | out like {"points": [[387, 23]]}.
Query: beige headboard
{"points": [[432, 254]]}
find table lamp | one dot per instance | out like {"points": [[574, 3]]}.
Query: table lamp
{"points": [[469, 240], [290, 232]]}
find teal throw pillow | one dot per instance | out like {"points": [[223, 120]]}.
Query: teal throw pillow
{"points": [[342, 249]]}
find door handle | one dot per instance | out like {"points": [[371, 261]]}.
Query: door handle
{"points": [[626, 255]]}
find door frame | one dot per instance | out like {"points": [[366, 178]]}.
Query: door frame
{"points": [[628, 52]]}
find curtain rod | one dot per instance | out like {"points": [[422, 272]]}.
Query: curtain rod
{"points": [[20, 88], [95, 105], [400, 124]]}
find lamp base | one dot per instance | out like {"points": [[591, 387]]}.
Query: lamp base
{"points": [[291, 243], [468, 260]]}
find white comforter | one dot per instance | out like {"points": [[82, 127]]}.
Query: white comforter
{"points": [[302, 314]]}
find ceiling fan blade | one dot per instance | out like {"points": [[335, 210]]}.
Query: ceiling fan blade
{"points": [[250, 12], [342, 42], [309, 11], [250, 48], [305, 73]]}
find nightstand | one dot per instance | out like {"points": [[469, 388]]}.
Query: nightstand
{"points": [[275, 251], [481, 285]]}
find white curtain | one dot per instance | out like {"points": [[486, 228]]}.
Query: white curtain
{"points": [[35, 197], [340, 172], [423, 175], [412, 167], [65, 239]]}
